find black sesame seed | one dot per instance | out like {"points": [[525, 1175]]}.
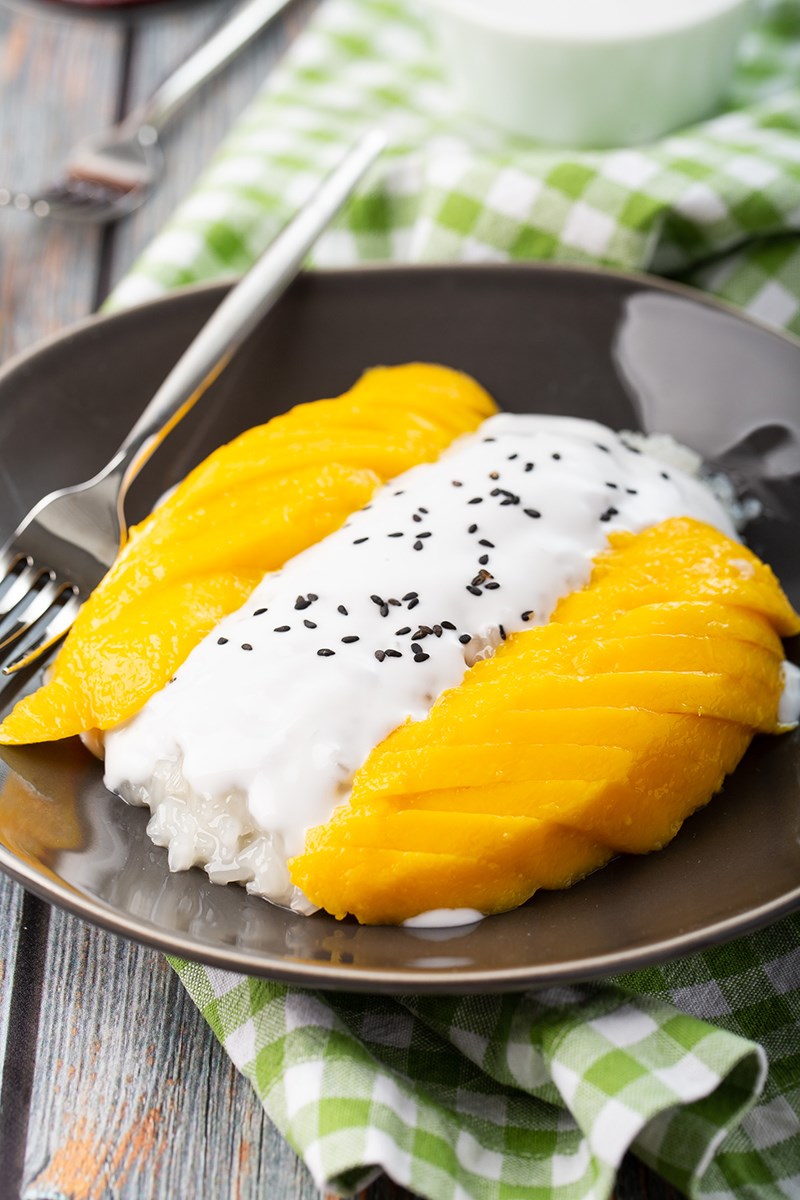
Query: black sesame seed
{"points": [[664, 475], [448, 625], [394, 654], [600, 446], [400, 493], [302, 603], [384, 610], [476, 591], [426, 629], [490, 439], [416, 517], [391, 600], [493, 586], [511, 457], [398, 534], [526, 616], [359, 541], [313, 596], [456, 483], [422, 510], [632, 491], [609, 484], [222, 641], [486, 542], [497, 492], [413, 603], [483, 560], [380, 655], [423, 535], [246, 646], [503, 634], [465, 637], [417, 545], [609, 513], [341, 608], [556, 457], [476, 500], [325, 653], [350, 639], [410, 595], [633, 449], [532, 512], [259, 611], [309, 624], [421, 657], [282, 628], [529, 466], [482, 574], [472, 529], [376, 599], [402, 632], [508, 500], [437, 631], [415, 646]]}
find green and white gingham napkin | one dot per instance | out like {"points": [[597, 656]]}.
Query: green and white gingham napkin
{"points": [[694, 1066]]}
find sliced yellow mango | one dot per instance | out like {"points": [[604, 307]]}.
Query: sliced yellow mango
{"points": [[601, 731], [253, 504]]}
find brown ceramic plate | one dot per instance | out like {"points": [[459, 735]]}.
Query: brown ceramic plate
{"points": [[624, 350]]}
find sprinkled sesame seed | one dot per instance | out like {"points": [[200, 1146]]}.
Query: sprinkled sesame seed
{"points": [[341, 608], [511, 457], [380, 655], [415, 646], [496, 492], [526, 616], [483, 560], [472, 529], [282, 628], [476, 500], [309, 624], [422, 657], [493, 586], [448, 625], [302, 603], [259, 611], [422, 510], [600, 446], [476, 591], [417, 545], [490, 439], [400, 493], [437, 631], [313, 596], [384, 610], [456, 483], [633, 449], [359, 541], [394, 654], [632, 491], [529, 466], [494, 475], [503, 634], [410, 595], [325, 653], [353, 637], [391, 600], [664, 475], [416, 517], [413, 603], [423, 535], [246, 646], [376, 599], [556, 457], [398, 534], [464, 638], [402, 632], [609, 513], [532, 512], [222, 641], [486, 542], [613, 486]]}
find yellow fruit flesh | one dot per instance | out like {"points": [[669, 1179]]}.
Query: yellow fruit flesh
{"points": [[598, 732], [253, 504]]}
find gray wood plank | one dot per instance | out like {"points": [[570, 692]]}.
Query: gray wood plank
{"points": [[58, 82], [133, 1097], [190, 143], [10, 910]]}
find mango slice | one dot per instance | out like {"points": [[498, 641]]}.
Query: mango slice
{"points": [[596, 733], [253, 504]]}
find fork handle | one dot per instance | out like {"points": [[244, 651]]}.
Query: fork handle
{"points": [[240, 311], [247, 21]]}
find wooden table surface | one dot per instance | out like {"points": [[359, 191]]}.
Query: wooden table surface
{"points": [[111, 1084]]}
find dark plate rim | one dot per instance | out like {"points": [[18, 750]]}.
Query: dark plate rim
{"points": [[369, 979]]}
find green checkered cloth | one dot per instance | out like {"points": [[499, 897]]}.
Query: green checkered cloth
{"points": [[694, 1066]]}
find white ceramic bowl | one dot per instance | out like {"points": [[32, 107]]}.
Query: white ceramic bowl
{"points": [[591, 73]]}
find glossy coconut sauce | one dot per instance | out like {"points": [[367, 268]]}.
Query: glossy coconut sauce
{"points": [[284, 701]]}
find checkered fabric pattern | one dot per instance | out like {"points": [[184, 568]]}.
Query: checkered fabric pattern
{"points": [[694, 1065]]}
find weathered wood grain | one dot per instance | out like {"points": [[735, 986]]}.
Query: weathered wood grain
{"points": [[58, 82], [133, 1097], [198, 131]]}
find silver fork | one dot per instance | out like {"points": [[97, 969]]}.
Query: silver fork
{"points": [[65, 545], [111, 174]]}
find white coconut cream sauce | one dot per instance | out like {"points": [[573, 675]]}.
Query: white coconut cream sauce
{"points": [[274, 712]]}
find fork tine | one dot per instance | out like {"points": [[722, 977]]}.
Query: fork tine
{"points": [[23, 576], [40, 643], [30, 608]]}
